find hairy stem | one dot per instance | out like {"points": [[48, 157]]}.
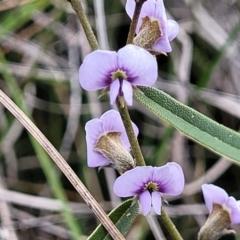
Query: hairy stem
{"points": [[137, 154], [166, 221], [133, 25], [78, 8], [62, 164]]}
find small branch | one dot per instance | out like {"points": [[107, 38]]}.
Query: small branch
{"points": [[167, 222], [137, 154], [78, 8], [134, 22], [63, 165]]}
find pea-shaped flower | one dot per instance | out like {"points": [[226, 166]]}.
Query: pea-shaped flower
{"points": [[107, 142], [150, 184], [154, 31], [224, 210], [118, 71]]}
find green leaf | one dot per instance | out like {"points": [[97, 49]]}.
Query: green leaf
{"points": [[122, 216], [193, 124]]}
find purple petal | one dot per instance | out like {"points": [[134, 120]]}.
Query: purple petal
{"points": [[133, 181], [130, 6], [173, 29], [127, 92], [234, 207], [169, 178], [213, 194], [135, 129], [114, 91], [162, 45], [145, 201], [140, 66], [150, 8], [112, 122], [155, 9], [93, 132], [95, 72], [170, 30], [157, 202]]}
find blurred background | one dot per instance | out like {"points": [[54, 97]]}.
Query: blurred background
{"points": [[41, 48]]}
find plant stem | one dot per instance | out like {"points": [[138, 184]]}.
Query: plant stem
{"points": [[78, 8], [167, 222], [133, 25], [137, 154], [63, 165]]}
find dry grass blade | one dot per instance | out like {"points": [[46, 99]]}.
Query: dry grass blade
{"points": [[62, 164]]}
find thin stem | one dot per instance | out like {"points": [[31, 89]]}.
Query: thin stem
{"points": [[167, 222], [133, 25], [78, 8], [137, 154], [63, 165]]}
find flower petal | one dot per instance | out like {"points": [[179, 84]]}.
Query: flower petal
{"points": [[112, 122], [127, 92], [170, 178], [173, 29], [157, 202], [130, 6], [114, 91], [93, 132], [151, 8], [133, 181], [140, 66], [95, 71], [213, 194], [145, 201], [154, 9], [234, 210], [162, 45]]}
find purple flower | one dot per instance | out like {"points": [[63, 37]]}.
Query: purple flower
{"points": [[118, 71], [150, 183], [107, 142], [216, 195], [155, 10]]}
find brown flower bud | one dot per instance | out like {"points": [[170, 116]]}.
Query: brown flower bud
{"points": [[216, 225], [111, 146]]}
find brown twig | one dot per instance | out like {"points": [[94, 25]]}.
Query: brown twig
{"points": [[63, 165]]}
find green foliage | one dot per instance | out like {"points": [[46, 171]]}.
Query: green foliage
{"points": [[193, 124], [122, 216]]}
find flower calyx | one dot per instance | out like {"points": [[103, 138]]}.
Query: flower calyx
{"points": [[110, 146], [216, 225], [149, 33]]}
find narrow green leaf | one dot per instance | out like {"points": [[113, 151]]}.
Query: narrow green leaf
{"points": [[122, 216], [193, 124]]}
